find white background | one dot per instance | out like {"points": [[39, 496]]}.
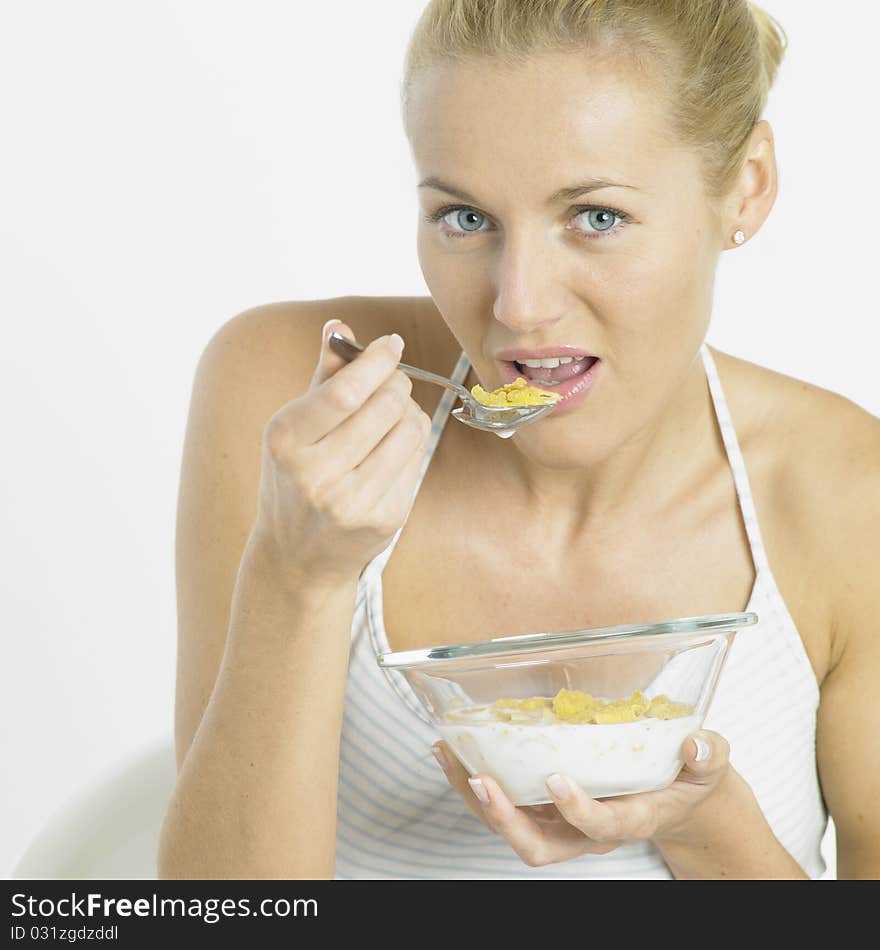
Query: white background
{"points": [[169, 164]]}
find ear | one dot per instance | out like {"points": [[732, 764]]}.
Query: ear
{"points": [[755, 191]]}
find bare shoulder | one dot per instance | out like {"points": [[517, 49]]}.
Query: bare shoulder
{"points": [[292, 328], [279, 343], [823, 439], [813, 457]]}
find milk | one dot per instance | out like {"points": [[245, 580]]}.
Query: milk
{"points": [[605, 760]]}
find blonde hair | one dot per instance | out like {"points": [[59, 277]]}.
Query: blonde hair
{"points": [[716, 59]]}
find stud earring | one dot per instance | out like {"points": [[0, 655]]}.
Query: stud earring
{"points": [[739, 237]]}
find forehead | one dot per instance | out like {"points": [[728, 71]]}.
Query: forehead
{"points": [[557, 115]]}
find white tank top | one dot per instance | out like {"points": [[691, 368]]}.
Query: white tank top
{"points": [[398, 817]]}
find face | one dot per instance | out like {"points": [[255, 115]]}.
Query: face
{"points": [[624, 273]]}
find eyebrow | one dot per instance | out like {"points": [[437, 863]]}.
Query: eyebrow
{"points": [[564, 194]]}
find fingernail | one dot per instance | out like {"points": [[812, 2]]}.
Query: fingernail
{"points": [[557, 784], [327, 324], [479, 790], [703, 748], [395, 341], [442, 761]]}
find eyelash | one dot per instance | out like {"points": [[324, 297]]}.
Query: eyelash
{"points": [[438, 215]]}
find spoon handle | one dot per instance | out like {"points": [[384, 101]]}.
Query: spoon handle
{"points": [[349, 350]]}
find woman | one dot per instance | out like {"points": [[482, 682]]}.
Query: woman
{"points": [[582, 166]]}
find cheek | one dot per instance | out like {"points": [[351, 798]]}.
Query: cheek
{"points": [[455, 286], [659, 295], [426, 255], [454, 296], [442, 271], [657, 304]]}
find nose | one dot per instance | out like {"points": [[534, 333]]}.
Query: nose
{"points": [[526, 292]]}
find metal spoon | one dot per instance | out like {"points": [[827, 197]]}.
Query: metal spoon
{"points": [[502, 420]]}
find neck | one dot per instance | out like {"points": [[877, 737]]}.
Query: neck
{"points": [[657, 464]]}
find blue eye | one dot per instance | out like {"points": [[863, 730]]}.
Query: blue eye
{"points": [[465, 219], [606, 214], [469, 220]]}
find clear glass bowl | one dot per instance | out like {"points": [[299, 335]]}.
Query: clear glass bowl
{"points": [[631, 745]]}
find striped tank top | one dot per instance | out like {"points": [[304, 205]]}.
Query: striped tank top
{"points": [[398, 817]]}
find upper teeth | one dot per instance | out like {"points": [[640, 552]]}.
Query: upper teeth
{"points": [[550, 362]]}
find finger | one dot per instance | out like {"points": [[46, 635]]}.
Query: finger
{"points": [[457, 776], [706, 757], [372, 459], [536, 843], [547, 814], [606, 822], [371, 440], [334, 396], [329, 361], [390, 497], [497, 810]]}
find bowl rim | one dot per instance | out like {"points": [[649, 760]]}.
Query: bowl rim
{"points": [[684, 627]]}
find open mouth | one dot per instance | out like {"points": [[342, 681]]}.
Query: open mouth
{"points": [[554, 376]]}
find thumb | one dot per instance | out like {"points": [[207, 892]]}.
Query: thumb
{"points": [[328, 361], [706, 755]]}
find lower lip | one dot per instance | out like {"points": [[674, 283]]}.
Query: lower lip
{"points": [[573, 391]]}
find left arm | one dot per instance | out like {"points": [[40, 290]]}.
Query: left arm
{"points": [[848, 723], [839, 497]]}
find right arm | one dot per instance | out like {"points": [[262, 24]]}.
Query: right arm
{"points": [[256, 794], [281, 505]]}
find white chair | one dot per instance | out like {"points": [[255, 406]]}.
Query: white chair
{"points": [[110, 829]]}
